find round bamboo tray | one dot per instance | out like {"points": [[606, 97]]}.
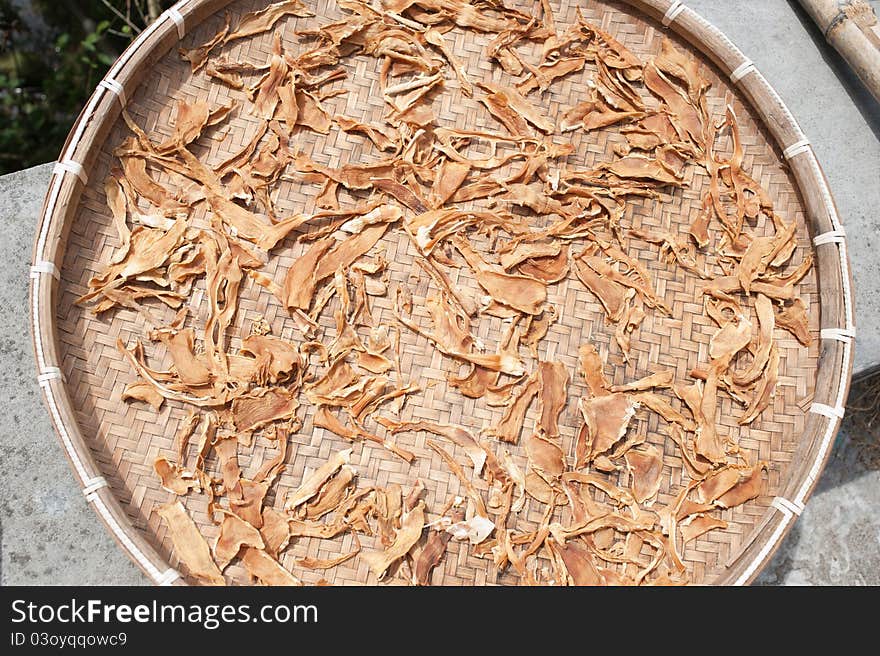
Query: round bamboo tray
{"points": [[112, 445]]}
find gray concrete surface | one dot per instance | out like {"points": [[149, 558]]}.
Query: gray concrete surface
{"points": [[837, 539], [48, 535]]}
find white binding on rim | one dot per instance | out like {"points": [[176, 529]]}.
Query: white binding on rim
{"points": [[93, 485], [828, 411], [44, 266], [787, 507], [838, 334], [742, 70], [115, 88], [796, 148], [177, 17], [830, 237], [672, 13], [47, 372], [69, 166]]}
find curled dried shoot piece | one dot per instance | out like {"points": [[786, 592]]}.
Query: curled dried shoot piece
{"points": [[412, 524]]}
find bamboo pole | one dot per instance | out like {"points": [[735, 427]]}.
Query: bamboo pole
{"points": [[851, 27]]}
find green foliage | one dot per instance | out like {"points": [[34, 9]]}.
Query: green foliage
{"points": [[50, 62]]}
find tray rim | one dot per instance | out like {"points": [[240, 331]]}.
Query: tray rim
{"points": [[834, 367]]}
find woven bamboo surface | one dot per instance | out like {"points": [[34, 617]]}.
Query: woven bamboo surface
{"points": [[124, 439]]}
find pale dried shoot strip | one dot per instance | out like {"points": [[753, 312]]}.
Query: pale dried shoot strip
{"points": [[189, 545]]}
